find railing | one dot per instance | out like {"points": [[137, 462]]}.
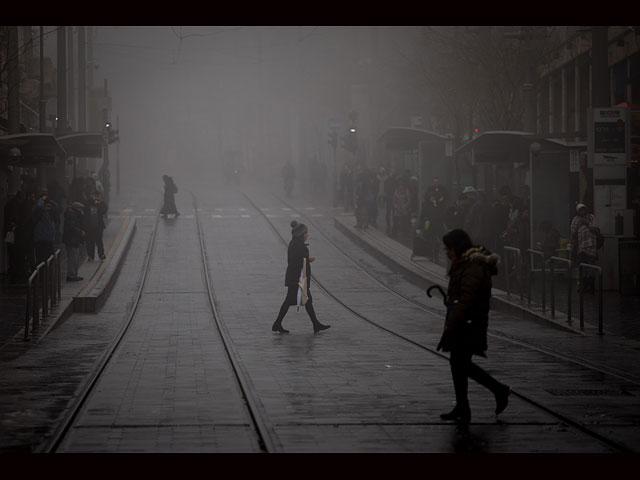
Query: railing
{"points": [[580, 276], [537, 252], [516, 251], [553, 289], [43, 292], [551, 260]]}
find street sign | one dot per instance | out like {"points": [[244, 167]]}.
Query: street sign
{"points": [[609, 140]]}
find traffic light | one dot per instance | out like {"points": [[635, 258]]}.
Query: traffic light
{"points": [[112, 134], [350, 140]]}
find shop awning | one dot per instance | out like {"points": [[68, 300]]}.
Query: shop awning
{"points": [[405, 138], [30, 149], [79, 144]]}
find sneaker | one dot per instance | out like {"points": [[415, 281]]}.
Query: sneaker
{"points": [[319, 327], [102, 257], [90, 259]]}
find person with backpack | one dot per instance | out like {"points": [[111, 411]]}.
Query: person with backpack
{"points": [[584, 242]]}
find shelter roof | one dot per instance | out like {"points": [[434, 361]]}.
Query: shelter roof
{"points": [[406, 138], [30, 149], [505, 141], [82, 144]]}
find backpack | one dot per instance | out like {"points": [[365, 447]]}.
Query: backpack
{"points": [[599, 237]]}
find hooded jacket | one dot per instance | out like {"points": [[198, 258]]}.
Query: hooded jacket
{"points": [[467, 301]]}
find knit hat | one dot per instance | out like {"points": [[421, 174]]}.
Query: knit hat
{"points": [[298, 229], [77, 205], [579, 206]]}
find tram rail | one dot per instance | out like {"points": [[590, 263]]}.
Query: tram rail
{"points": [[616, 446], [264, 433]]}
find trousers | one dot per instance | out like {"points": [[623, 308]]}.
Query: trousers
{"points": [[463, 368]]}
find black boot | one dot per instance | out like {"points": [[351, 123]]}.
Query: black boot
{"points": [[461, 414], [277, 325], [502, 399], [317, 326]]}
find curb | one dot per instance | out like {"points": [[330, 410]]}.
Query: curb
{"points": [[91, 298], [394, 257]]}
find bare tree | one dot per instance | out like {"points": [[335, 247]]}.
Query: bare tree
{"points": [[474, 75]]}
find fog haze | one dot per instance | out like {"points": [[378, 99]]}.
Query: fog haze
{"points": [[185, 98]]}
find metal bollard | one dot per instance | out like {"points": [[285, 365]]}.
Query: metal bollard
{"points": [[31, 303], [553, 297], [599, 270], [516, 251], [50, 266], [58, 284], [537, 252]]}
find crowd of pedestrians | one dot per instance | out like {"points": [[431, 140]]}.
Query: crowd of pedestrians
{"points": [[36, 220], [493, 219]]}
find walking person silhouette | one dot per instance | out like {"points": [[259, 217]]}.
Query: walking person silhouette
{"points": [[297, 252], [170, 189], [465, 330]]}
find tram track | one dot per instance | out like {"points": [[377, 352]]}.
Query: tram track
{"points": [[264, 433], [616, 446]]}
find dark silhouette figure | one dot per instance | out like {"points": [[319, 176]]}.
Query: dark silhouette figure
{"points": [[170, 189], [73, 236], [17, 213], [43, 217], [296, 253], [465, 330], [94, 226]]}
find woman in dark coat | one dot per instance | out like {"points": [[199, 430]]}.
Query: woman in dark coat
{"points": [[296, 253], [465, 330], [170, 189]]}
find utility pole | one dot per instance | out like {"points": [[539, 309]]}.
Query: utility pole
{"points": [[71, 80], [42, 104], [61, 102], [13, 94], [103, 173], [82, 89], [62, 80], [42, 111], [118, 158]]}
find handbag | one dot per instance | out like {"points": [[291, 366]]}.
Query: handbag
{"points": [[303, 296]]}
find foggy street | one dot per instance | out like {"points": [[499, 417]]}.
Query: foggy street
{"points": [[212, 147]]}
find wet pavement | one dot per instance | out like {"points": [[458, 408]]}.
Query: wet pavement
{"points": [[352, 388]]}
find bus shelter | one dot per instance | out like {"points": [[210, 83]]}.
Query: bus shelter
{"points": [[424, 153]]}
